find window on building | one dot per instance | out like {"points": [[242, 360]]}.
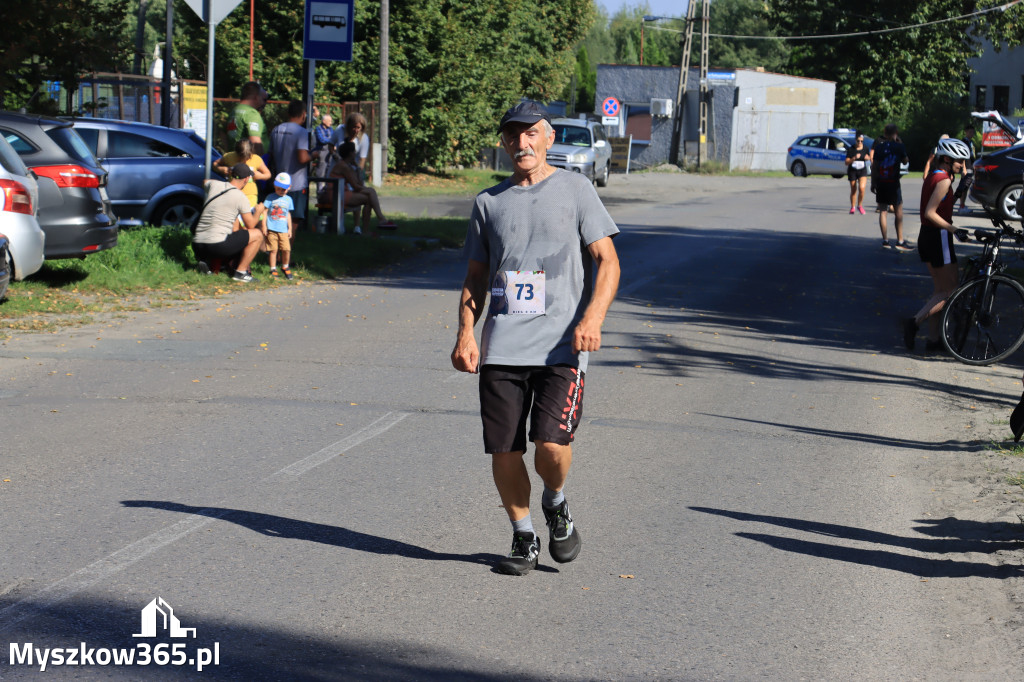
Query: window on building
{"points": [[638, 122], [980, 97], [1001, 99]]}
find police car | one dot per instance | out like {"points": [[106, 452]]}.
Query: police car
{"points": [[822, 153]]}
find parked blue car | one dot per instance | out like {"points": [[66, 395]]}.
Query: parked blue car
{"points": [[155, 174]]}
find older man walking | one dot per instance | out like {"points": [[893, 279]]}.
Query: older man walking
{"points": [[532, 244]]}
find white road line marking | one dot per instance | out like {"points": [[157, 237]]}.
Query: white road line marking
{"points": [[102, 569], [333, 450]]}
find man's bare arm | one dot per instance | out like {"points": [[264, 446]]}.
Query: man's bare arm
{"points": [[466, 354], [587, 335]]}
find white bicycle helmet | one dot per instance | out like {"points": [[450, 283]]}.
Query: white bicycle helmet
{"points": [[954, 149]]}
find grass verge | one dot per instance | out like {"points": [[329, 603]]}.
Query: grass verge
{"points": [[154, 267], [461, 181]]}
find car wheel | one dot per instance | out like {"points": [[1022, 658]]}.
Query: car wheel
{"points": [[798, 169], [837, 176], [176, 211], [602, 181], [1008, 202]]}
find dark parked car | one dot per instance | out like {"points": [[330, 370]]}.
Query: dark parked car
{"points": [[155, 174], [74, 210], [997, 175]]}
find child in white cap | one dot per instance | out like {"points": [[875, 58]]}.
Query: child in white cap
{"points": [[279, 225]]}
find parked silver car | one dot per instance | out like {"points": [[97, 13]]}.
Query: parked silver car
{"points": [[19, 203], [581, 146]]}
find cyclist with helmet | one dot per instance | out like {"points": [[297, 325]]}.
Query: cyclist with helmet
{"points": [[935, 241]]}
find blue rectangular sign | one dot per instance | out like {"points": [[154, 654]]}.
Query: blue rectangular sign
{"points": [[328, 30]]}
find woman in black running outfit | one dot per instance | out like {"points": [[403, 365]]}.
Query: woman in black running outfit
{"points": [[857, 161], [935, 241]]}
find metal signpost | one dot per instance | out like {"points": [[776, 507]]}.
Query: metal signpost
{"points": [[212, 12], [327, 36]]}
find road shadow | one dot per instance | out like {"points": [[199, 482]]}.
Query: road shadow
{"points": [[946, 536], [870, 438], [295, 529], [252, 645]]}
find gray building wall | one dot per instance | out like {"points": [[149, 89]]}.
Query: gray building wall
{"points": [[772, 110], [637, 86], [1004, 68], [753, 116]]}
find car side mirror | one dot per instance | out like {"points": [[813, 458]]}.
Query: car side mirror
{"points": [[600, 143]]}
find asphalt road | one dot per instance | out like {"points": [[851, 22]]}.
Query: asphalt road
{"points": [[767, 484]]}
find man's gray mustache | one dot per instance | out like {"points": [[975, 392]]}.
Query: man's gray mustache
{"points": [[524, 152]]}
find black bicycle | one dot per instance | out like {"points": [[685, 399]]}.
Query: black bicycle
{"points": [[983, 320]]}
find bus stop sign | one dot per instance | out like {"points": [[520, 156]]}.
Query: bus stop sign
{"points": [[327, 35]]}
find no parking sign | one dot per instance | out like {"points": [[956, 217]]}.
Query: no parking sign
{"points": [[610, 106]]}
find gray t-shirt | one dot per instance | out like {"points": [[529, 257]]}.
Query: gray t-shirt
{"points": [[285, 139], [520, 231], [218, 218]]}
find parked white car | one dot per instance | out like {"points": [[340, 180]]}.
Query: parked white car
{"points": [[19, 200], [581, 146]]}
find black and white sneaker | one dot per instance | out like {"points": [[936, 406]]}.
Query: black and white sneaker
{"points": [[564, 540], [523, 557], [241, 276], [203, 268]]}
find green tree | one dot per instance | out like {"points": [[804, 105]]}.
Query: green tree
{"points": [[743, 18], [453, 66], [586, 81], [661, 38], [889, 75], [56, 40]]}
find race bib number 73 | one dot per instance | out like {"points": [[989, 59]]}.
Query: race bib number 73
{"points": [[522, 290]]}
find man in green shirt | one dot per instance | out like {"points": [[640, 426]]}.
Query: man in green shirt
{"points": [[246, 121]]}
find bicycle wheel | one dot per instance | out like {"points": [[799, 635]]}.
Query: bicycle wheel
{"points": [[983, 321]]}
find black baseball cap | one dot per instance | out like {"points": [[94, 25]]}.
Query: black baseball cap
{"points": [[526, 111], [240, 171]]}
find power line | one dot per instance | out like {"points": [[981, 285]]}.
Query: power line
{"points": [[1001, 8]]}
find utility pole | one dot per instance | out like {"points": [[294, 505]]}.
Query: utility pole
{"points": [[140, 37], [702, 138], [165, 76], [382, 115], [684, 77]]}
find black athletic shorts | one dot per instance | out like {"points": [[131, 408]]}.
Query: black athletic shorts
{"points": [[552, 397], [229, 248], [888, 193], [935, 246]]}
